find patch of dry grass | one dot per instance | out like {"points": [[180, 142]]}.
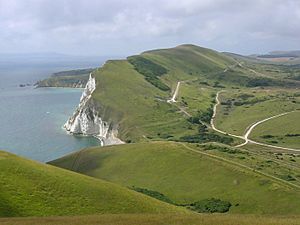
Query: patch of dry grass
{"points": [[148, 219]]}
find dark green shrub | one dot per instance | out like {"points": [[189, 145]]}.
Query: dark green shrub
{"points": [[267, 136], [206, 137], [211, 205], [287, 177], [150, 70], [153, 194]]}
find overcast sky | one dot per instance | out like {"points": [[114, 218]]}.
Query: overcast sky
{"points": [[124, 27]]}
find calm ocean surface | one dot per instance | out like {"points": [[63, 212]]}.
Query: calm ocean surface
{"points": [[31, 119]]}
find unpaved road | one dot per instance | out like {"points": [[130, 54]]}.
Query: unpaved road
{"points": [[173, 99], [249, 130]]}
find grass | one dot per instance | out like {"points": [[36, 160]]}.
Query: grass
{"points": [[264, 103], [141, 115], [132, 94], [282, 131], [28, 188], [148, 219], [273, 164], [186, 176]]}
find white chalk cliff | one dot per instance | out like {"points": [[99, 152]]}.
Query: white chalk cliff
{"points": [[86, 119]]}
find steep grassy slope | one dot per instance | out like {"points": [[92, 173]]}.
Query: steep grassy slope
{"points": [[187, 173], [28, 188], [146, 219], [133, 93], [127, 99]]}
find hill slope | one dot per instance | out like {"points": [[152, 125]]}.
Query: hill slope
{"points": [[187, 173], [132, 95], [28, 188]]}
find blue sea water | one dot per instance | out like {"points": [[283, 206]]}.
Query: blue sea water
{"points": [[31, 119]]}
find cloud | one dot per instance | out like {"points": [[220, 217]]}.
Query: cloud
{"points": [[126, 27]]}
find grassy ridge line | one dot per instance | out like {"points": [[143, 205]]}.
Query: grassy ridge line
{"points": [[148, 219], [29, 188], [243, 166]]}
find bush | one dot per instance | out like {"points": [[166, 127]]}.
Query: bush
{"points": [[292, 135], [206, 137], [194, 120], [287, 177], [150, 70], [245, 96], [202, 116], [202, 128], [228, 150], [267, 136], [153, 194], [263, 81], [211, 205]]}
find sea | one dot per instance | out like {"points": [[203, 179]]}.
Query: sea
{"points": [[31, 119]]}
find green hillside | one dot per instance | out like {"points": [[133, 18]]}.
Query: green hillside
{"points": [[132, 94], [28, 188], [189, 173]]}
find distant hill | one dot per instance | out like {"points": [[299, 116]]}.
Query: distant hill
{"points": [[71, 78], [285, 53], [28, 188], [290, 57]]}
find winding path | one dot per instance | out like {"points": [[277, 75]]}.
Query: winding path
{"points": [[249, 130]]}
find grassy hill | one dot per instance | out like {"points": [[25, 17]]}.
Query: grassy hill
{"points": [[28, 188], [132, 93], [188, 173], [70, 78]]}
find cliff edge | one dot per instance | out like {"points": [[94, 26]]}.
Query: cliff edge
{"points": [[87, 121]]}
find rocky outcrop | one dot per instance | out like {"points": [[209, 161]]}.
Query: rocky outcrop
{"points": [[87, 121]]}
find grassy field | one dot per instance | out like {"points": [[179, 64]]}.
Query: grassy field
{"points": [[186, 173], [283, 131], [148, 219], [28, 188], [241, 108]]}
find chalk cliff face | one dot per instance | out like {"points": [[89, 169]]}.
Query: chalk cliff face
{"points": [[87, 121]]}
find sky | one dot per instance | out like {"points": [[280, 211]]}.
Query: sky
{"points": [[126, 27]]}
